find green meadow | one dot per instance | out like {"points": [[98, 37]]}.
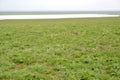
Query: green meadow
{"points": [[60, 49]]}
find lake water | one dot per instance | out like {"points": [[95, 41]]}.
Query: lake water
{"points": [[58, 12]]}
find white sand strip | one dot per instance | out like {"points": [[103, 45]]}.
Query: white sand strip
{"points": [[55, 16]]}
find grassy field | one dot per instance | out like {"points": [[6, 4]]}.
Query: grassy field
{"points": [[63, 49]]}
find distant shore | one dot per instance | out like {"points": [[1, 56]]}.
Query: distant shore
{"points": [[55, 16]]}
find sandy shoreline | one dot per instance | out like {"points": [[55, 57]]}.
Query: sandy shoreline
{"points": [[55, 16]]}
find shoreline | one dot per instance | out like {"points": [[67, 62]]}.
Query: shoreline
{"points": [[55, 16]]}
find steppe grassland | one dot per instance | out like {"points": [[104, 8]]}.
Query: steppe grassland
{"points": [[61, 49]]}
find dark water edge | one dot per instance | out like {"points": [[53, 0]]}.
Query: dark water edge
{"points": [[57, 12]]}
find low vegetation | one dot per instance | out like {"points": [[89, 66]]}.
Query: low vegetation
{"points": [[62, 49]]}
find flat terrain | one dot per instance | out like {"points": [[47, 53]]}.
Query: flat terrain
{"points": [[63, 49]]}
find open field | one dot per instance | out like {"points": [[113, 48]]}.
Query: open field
{"points": [[63, 49]]}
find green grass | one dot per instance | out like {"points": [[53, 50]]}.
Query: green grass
{"points": [[63, 49]]}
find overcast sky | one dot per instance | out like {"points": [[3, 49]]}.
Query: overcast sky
{"points": [[58, 5]]}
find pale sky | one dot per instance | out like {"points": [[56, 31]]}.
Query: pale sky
{"points": [[59, 5]]}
